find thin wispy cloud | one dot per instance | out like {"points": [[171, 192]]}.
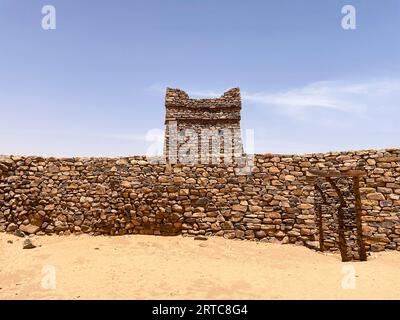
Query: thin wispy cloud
{"points": [[350, 97]]}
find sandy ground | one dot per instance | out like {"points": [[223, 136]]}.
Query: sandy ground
{"points": [[149, 267]]}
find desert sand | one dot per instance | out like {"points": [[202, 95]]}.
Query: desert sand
{"points": [[150, 267]]}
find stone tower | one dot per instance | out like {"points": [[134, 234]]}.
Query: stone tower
{"points": [[202, 130]]}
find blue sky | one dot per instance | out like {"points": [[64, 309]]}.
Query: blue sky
{"points": [[95, 85]]}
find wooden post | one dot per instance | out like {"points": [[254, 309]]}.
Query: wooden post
{"points": [[360, 242], [341, 225]]}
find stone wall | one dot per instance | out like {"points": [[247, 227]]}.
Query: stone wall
{"points": [[131, 196], [192, 126]]}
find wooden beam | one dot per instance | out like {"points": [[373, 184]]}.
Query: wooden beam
{"points": [[361, 248]]}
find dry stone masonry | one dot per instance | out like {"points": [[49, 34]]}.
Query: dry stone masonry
{"points": [[133, 196], [202, 130]]}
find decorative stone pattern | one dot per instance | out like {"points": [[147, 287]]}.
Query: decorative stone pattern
{"points": [[131, 195]]}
